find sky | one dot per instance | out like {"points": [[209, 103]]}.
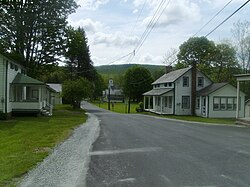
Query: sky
{"points": [[114, 27]]}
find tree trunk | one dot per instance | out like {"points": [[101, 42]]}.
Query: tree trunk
{"points": [[129, 105]]}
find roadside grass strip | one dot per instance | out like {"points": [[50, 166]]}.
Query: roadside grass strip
{"points": [[227, 121], [117, 107], [25, 141]]}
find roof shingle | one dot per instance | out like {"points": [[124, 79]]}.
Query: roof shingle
{"points": [[172, 76]]}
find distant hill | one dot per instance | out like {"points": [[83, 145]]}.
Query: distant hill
{"points": [[116, 70]]}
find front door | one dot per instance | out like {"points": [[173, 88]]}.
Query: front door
{"points": [[203, 106]]}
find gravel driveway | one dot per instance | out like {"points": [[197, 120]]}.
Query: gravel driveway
{"points": [[68, 164]]}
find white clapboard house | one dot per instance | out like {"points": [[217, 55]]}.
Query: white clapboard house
{"points": [[171, 94], [20, 93]]}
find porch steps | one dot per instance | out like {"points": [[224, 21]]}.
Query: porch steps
{"points": [[45, 112], [245, 122]]}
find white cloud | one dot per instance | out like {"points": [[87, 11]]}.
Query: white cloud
{"points": [[91, 4], [175, 13], [150, 59], [135, 11], [89, 25], [117, 39]]}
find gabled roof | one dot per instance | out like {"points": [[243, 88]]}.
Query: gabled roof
{"points": [[211, 88], [55, 87], [172, 76], [158, 92], [24, 79]]}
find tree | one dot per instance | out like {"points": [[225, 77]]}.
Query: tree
{"points": [[170, 57], [137, 80], [225, 64], [78, 55], [74, 91], [241, 33], [198, 50], [35, 29]]}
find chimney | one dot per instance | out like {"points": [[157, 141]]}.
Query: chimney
{"points": [[169, 69]]}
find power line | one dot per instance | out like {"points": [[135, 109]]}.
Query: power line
{"points": [[212, 18], [151, 21], [139, 15], [151, 24], [227, 18], [212, 30], [217, 25]]}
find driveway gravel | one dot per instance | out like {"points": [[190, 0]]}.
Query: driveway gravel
{"points": [[68, 164]]}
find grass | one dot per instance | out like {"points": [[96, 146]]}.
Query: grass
{"points": [[25, 141], [229, 121], [118, 107], [121, 108]]}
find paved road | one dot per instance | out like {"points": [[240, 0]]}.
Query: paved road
{"points": [[137, 150]]}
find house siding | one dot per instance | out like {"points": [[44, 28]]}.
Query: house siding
{"points": [[2, 81], [11, 76], [227, 91], [186, 91]]}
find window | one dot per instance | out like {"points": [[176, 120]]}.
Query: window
{"points": [[170, 100], [200, 81], [225, 103], [158, 101], [34, 94], [185, 81], [23, 71], [16, 68], [197, 102], [166, 85], [170, 84], [166, 101], [185, 102], [230, 103], [12, 66], [216, 103]]}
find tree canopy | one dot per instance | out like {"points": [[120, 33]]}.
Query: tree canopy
{"points": [[35, 29], [197, 50], [217, 61], [137, 80], [75, 91], [77, 55], [241, 36]]}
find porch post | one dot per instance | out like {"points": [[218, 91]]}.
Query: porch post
{"points": [[144, 102], [24, 93], [161, 104], [238, 96], [153, 107], [207, 105]]}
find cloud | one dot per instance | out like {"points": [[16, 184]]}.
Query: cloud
{"points": [[150, 59], [89, 25], [175, 13], [135, 11], [117, 39], [91, 4]]}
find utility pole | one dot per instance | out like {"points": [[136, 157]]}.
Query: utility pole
{"points": [[193, 88], [110, 84]]}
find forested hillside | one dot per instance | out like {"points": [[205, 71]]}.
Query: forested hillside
{"points": [[117, 70]]}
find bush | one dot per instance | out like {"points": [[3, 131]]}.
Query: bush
{"points": [[140, 107]]}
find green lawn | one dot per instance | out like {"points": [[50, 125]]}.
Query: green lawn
{"points": [[118, 107], [24, 141], [229, 121]]}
